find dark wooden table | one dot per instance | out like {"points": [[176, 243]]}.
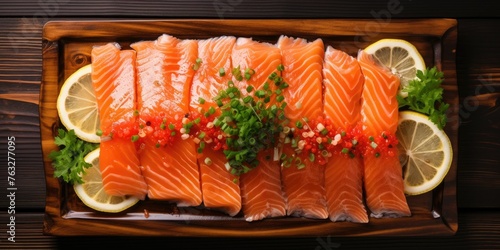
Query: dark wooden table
{"points": [[478, 78]]}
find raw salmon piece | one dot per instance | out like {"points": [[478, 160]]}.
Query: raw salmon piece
{"points": [[261, 190], [379, 110], [172, 174], [344, 189], [384, 187], [215, 54], [343, 85], [220, 190], [164, 75], [120, 168], [263, 58], [113, 78], [383, 180], [303, 62]]}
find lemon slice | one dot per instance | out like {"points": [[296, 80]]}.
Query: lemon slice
{"points": [[425, 151], [92, 193], [400, 56], [77, 105]]}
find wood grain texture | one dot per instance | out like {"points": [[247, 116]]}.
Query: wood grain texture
{"points": [[478, 71], [72, 41], [478, 49], [248, 9], [20, 75], [478, 230]]}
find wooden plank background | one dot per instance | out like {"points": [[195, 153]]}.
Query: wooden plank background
{"points": [[478, 74]]}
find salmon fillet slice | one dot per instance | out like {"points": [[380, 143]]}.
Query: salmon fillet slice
{"points": [[220, 188], [343, 85], [303, 62], [383, 182], [261, 191], [164, 75], [113, 79]]}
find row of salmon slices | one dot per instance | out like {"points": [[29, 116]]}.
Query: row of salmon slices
{"points": [[140, 88]]}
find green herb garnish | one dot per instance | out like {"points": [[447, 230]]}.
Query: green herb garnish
{"points": [[68, 161], [425, 95], [250, 124]]}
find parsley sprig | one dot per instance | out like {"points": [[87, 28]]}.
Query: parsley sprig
{"points": [[425, 95], [68, 161]]}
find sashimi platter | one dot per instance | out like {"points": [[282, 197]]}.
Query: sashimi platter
{"points": [[250, 127]]}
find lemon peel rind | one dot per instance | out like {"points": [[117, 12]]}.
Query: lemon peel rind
{"points": [[98, 206], [443, 170], [64, 118], [393, 42]]}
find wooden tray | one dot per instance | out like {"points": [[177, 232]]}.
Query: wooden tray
{"points": [[67, 46]]}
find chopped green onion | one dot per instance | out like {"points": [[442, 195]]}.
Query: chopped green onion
{"points": [[301, 166], [219, 103], [266, 86], [311, 157], [284, 85], [249, 88], [247, 99], [267, 99], [211, 110], [260, 93], [237, 73], [200, 148], [202, 135], [249, 73], [222, 72], [273, 76], [201, 100], [135, 138], [252, 141], [299, 124], [196, 66]]}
